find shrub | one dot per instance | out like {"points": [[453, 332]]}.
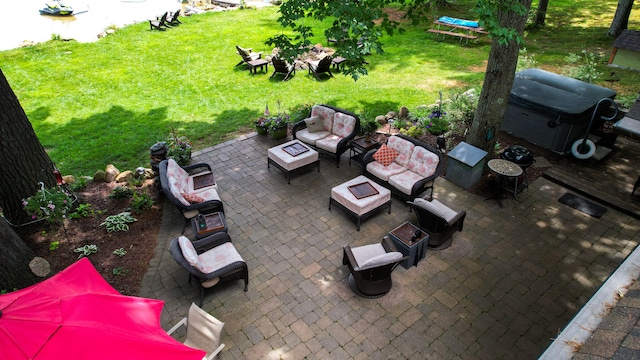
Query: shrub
{"points": [[461, 108], [300, 112], [121, 192], [141, 202], [82, 211], [583, 66], [179, 147]]}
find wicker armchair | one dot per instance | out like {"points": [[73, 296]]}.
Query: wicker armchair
{"points": [[438, 220], [210, 261], [370, 267]]}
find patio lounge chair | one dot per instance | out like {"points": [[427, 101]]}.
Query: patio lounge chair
{"points": [[322, 66], [282, 67], [210, 261], [370, 267], [438, 220], [160, 23], [172, 18], [247, 55], [203, 331]]}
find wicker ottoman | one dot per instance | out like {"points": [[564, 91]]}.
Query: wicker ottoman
{"points": [[361, 198], [291, 157]]}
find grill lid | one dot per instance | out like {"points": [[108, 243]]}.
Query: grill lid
{"points": [[518, 154]]}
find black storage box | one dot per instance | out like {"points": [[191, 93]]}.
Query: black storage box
{"points": [[551, 110]]}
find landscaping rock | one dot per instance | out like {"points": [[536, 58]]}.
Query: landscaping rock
{"points": [[40, 266], [404, 112], [124, 176], [100, 175], [69, 179], [111, 173], [381, 119], [391, 115]]}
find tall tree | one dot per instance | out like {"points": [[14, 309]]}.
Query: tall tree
{"points": [[14, 260], [541, 13], [357, 26], [621, 18], [23, 160], [503, 57]]}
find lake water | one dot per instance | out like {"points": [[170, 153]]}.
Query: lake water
{"points": [[91, 17]]}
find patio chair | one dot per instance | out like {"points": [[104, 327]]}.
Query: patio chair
{"points": [[172, 18], [247, 55], [282, 67], [160, 23], [179, 185], [210, 261], [370, 267], [203, 331], [322, 66], [438, 220]]}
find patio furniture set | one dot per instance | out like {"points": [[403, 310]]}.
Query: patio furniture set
{"points": [[165, 21], [255, 61]]}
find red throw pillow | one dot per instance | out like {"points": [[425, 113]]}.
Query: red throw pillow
{"points": [[193, 198], [385, 155]]}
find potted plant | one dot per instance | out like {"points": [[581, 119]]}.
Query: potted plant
{"points": [[179, 148], [278, 126], [262, 125], [368, 126]]}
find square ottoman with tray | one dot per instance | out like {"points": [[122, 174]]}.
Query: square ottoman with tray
{"points": [[291, 157], [361, 198]]}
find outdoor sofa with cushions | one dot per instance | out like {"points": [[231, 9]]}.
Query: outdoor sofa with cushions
{"points": [[406, 166], [177, 185], [328, 129]]}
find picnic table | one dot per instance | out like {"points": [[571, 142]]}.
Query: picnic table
{"points": [[463, 29]]}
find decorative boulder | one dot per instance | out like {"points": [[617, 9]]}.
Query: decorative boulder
{"points": [[69, 179], [404, 112], [391, 115], [40, 266], [100, 175], [111, 173], [124, 176], [381, 119]]}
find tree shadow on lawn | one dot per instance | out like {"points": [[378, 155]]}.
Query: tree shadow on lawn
{"points": [[118, 136]]}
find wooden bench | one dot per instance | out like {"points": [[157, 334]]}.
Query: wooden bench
{"points": [[463, 32]]}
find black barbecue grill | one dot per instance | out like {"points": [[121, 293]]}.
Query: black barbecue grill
{"points": [[521, 156]]}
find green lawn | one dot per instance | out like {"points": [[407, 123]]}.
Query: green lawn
{"points": [[109, 101]]}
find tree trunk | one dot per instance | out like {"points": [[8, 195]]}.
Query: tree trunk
{"points": [[541, 13], [14, 260], [621, 18], [23, 161], [498, 80]]}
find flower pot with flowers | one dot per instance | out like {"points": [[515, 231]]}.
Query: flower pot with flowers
{"points": [[51, 204], [262, 125], [278, 126], [179, 148]]}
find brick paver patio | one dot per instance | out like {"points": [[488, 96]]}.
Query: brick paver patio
{"points": [[505, 288]]}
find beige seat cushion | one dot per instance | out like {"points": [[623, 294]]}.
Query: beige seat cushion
{"points": [[288, 162], [436, 207]]}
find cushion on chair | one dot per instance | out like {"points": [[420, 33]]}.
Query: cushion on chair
{"points": [[310, 138], [188, 251], [423, 162], [384, 172], [385, 155], [382, 259], [343, 124], [329, 143], [405, 181], [203, 330], [363, 253], [218, 257], [436, 207], [326, 114], [314, 124], [403, 147], [192, 198]]}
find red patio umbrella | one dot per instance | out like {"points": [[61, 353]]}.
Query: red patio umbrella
{"points": [[76, 314]]}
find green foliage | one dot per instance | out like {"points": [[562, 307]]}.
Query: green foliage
{"points": [[141, 202], [526, 60], [79, 184], [120, 271], [460, 110], [118, 222], [626, 101], [583, 66], [86, 250], [56, 37], [121, 193], [413, 131], [120, 252], [179, 147], [489, 12], [82, 211], [368, 124], [137, 181], [300, 111], [54, 245], [50, 204]]}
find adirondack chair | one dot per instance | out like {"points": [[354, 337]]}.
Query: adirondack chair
{"points": [[159, 24], [282, 67], [322, 66], [247, 55], [173, 18]]}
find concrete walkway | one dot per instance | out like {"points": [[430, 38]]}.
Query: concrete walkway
{"points": [[506, 287]]}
